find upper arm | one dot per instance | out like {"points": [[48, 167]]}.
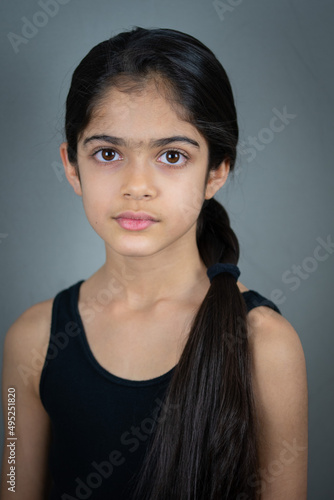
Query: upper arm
{"points": [[27, 336], [280, 391]]}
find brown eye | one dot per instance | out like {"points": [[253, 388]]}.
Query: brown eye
{"points": [[108, 154], [173, 156]]}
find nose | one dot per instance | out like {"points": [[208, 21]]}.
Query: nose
{"points": [[138, 183]]}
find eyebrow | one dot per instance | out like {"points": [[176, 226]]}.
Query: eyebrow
{"points": [[156, 143]]}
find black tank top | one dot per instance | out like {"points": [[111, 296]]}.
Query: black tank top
{"points": [[101, 423]]}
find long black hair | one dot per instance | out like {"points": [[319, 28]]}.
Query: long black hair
{"points": [[206, 448]]}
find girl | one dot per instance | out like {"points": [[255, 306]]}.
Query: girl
{"points": [[160, 377]]}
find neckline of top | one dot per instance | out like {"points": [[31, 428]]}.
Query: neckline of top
{"points": [[160, 379]]}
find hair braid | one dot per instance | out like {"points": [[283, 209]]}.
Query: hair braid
{"points": [[216, 240]]}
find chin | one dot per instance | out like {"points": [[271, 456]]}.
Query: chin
{"points": [[135, 250]]}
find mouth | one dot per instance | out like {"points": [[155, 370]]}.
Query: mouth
{"points": [[135, 221]]}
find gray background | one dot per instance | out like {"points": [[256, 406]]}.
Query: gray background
{"points": [[278, 54]]}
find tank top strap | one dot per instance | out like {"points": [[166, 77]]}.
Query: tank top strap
{"points": [[64, 331], [254, 299]]}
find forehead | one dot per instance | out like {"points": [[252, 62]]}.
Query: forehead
{"points": [[146, 112]]}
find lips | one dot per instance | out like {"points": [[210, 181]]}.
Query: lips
{"points": [[135, 221]]}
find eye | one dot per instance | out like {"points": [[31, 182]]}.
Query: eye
{"points": [[105, 155], [174, 158]]}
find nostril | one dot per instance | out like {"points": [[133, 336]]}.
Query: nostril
{"points": [[137, 197]]}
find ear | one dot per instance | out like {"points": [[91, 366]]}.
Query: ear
{"points": [[71, 170], [217, 179]]}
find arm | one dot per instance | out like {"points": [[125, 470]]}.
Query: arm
{"points": [[32, 427], [280, 391]]}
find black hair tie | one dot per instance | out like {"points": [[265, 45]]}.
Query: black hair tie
{"points": [[219, 268]]}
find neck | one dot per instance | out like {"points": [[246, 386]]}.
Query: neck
{"points": [[143, 281]]}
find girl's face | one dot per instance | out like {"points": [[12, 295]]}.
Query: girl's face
{"points": [[142, 174]]}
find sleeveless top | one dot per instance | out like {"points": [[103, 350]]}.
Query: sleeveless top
{"points": [[101, 423]]}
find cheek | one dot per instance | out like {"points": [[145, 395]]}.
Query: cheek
{"points": [[189, 203], [97, 198]]}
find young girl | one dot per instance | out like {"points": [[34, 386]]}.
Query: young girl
{"points": [[160, 377]]}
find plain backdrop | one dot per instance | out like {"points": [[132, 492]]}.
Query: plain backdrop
{"points": [[278, 55]]}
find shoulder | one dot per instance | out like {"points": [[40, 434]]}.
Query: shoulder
{"points": [[272, 338], [31, 325], [281, 402], [277, 352], [26, 343]]}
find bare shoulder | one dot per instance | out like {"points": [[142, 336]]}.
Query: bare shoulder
{"points": [[272, 338], [31, 327], [27, 340], [278, 357], [270, 331], [280, 392]]}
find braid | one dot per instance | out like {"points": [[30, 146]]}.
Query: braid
{"points": [[216, 240]]}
